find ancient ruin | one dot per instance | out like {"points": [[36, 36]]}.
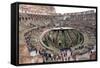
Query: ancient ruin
{"points": [[80, 39]]}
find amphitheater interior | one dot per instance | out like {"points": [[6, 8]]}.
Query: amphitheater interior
{"points": [[81, 39]]}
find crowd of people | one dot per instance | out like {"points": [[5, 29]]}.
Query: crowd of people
{"points": [[63, 55]]}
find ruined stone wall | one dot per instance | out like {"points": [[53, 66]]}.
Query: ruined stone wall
{"points": [[85, 22], [36, 9], [31, 26]]}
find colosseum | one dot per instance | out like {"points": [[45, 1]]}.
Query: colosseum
{"points": [[47, 36]]}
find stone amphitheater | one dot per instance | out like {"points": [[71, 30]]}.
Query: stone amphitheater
{"points": [[34, 20]]}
